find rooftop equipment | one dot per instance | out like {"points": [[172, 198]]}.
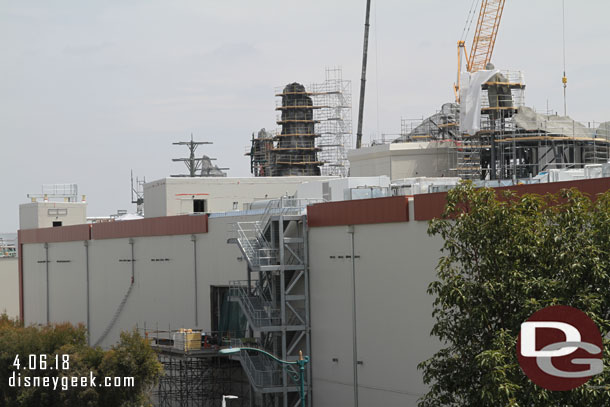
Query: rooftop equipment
{"points": [[198, 167]]}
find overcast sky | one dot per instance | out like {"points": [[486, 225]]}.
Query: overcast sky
{"points": [[92, 89]]}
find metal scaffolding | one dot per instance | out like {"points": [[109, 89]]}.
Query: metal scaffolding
{"points": [[513, 142], [260, 152], [8, 246], [334, 126], [197, 377], [275, 297], [315, 131], [57, 193], [295, 151]]}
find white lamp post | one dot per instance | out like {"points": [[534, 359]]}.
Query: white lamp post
{"points": [[224, 399]]}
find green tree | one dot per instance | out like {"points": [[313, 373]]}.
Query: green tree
{"points": [[504, 258], [132, 356]]}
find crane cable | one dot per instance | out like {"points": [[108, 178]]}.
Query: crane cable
{"points": [[469, 20], [564, 79]]}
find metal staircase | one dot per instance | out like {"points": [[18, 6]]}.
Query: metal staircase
{"points": [[275, 297]]}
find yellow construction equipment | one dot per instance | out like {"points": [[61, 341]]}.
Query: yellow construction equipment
{"points": [[483, 42]]}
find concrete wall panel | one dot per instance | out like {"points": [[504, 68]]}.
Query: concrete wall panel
{"points": [[34, 282], [9, 289], [67, 280], [331, 313], [110, 278], [395, 266], [164, 282], [163, 294], [174, 196]]}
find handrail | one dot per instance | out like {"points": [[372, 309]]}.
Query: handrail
{"points": [[265, 316], [266, 377], [263, 372], [260, 252], [254, 231]]}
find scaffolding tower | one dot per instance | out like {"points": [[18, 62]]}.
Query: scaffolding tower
{"points": [[295, 151], [197, 377], [501, 97], [315, 131], [334, 121]]}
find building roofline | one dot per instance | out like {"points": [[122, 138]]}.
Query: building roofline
{"points": [[161, 226], [430, 206], [359, 212], [425, 206]]}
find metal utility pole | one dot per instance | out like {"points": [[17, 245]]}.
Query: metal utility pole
{"points": [[137, 193], [192, 164], [198, 167], [351, 231], [363, 79]]}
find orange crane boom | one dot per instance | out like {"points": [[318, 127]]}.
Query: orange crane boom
{"points": [[484, 40], [485, 35]]}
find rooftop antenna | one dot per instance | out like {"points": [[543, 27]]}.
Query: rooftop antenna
{"points": [[363, 79], [195, 165], [137, 193]]}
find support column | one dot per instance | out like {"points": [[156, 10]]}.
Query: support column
{"points": [[46, 263], [283, 305], [351, 232], [86, 244], [194, 240]]}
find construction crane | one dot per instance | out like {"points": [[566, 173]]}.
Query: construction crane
{"points": [[483, 42], [365, 49]]}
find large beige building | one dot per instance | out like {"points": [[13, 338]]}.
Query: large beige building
{"points": [[346, 282], [404, 160], [178, 196], [35, 215]]}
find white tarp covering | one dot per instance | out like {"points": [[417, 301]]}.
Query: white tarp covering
{"points": [[528, 119], [129, 216], [470, 99]]}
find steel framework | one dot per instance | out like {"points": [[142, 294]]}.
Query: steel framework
{"points": [[485, 35], [275, 298], [334, 126], [510, 145], [295, 151], [198, 167], [199, 381]]}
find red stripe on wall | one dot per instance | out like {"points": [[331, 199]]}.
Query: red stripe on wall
{"points": [[430, 206], [359, 212], [163, 226], [56, 234], [191, 194]]}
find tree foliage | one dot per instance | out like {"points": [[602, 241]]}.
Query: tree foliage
{"points": [[132, 356], [504, 258]]}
